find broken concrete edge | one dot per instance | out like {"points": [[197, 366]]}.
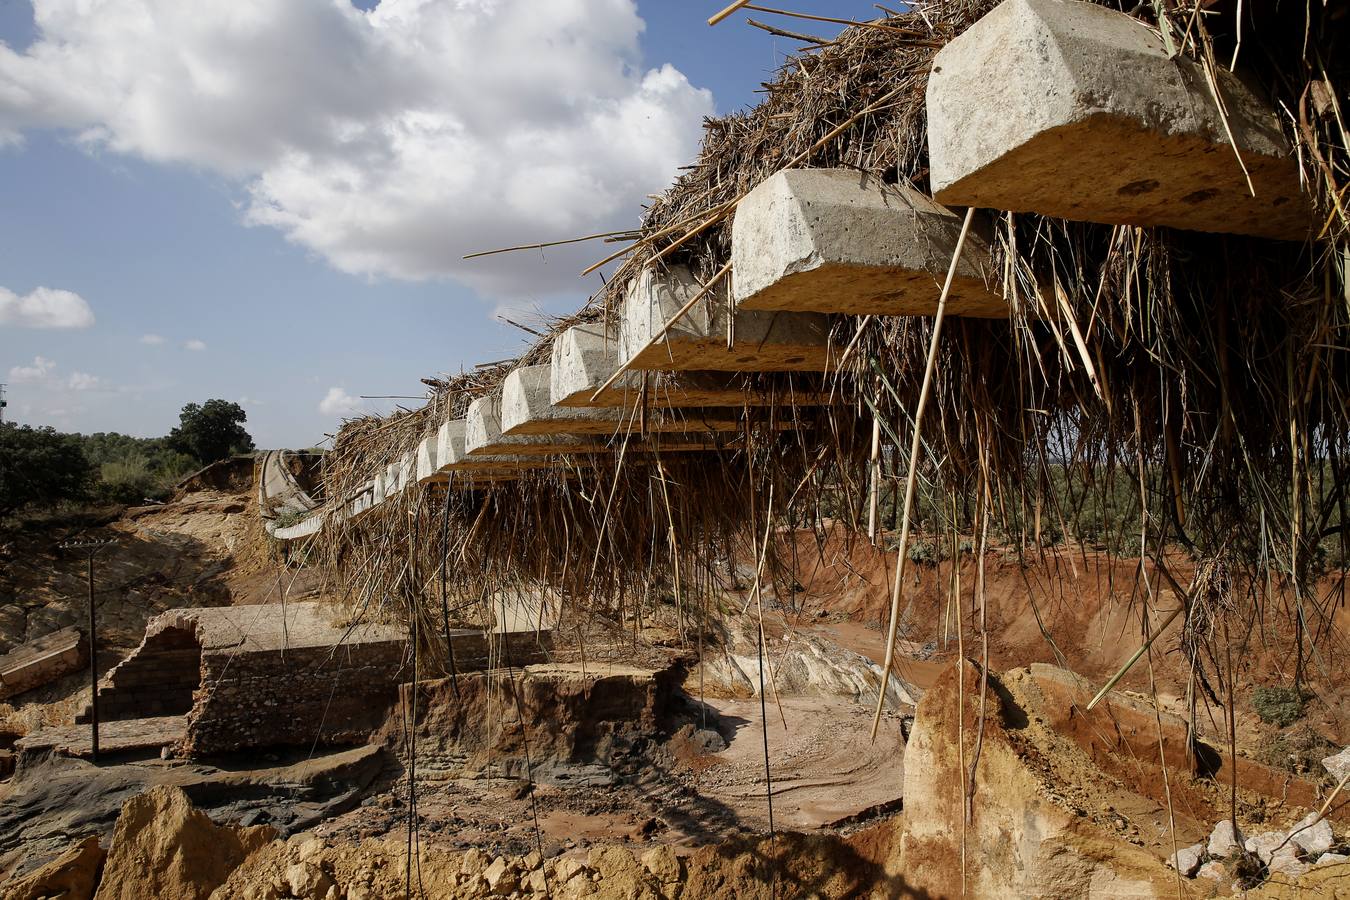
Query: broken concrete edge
{"points": [[841, 241], [483, 434], [1077, 111], [307, 527], [426, 459]]}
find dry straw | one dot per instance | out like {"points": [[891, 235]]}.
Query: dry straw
{"points": [[1162, 393]]}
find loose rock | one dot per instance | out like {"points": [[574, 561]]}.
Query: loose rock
{"points": [[1312, 835], [663, 864], [1264, 845], [1213, 869], [1338, 764], [1224, 840], [1186, 860], [307, 880]]}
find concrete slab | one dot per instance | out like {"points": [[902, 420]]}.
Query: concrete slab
{"points": [[761, 341], [837, 240], [449, 443], [459, 462], [1075, 110], [306, 527], [125, 736], [483, 435], [427, 470], [527, 408], [585, 356], [407, 470]]}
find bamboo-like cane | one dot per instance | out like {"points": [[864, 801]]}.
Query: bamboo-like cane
{"points": [[1106, 688], [876, 479], [911, 477], [546, 244], [726, 12]]}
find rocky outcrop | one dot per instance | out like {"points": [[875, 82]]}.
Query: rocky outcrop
{"points": [[71, 876], [798, 663], [164, 847], [1022, 837], [59, 800]]}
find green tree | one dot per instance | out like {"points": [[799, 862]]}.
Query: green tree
{"points": [[39, 467], [211, 431]]}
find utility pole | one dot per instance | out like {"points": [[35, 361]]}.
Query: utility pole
{"points": [[91, 549], [3, 404]]}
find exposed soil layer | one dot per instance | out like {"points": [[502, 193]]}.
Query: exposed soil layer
{"points": [[825, 768], [1072, 607]]}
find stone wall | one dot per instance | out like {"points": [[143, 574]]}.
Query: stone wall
{"points": [[157, 680], [330, 695], [576, 717], [297, 696], [43, 660], [474, 652]]}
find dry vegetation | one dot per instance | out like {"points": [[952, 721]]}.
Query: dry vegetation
{"points": [[1202, 378]]}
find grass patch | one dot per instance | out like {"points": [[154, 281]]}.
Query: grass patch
{"points": [[1278, 706]]}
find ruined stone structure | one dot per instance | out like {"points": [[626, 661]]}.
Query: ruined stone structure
{"points": [[41, 661], [275, 675]]}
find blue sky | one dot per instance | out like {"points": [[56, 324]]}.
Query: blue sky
{"points": [[234, 247]]}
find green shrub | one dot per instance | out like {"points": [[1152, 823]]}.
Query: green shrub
{"points": [[923, 553], [1278, 706], [127, 480]]}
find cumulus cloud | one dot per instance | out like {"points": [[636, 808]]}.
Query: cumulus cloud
{"points": [[34, 374], [391, 142], [195, 345], [338, 402], [83, 381], [44, 307], [152, 340], [42, 373]]}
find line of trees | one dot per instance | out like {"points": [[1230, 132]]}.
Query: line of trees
{"points": [[41, 468]]}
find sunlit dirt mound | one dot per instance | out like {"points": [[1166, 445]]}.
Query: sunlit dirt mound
{"points": [[164, 847]]}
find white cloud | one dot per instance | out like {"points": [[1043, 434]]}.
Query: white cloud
{"points": [[43, 374], [35, 374], [390, 142], [44, 307], [194, 345], [153, 340], [83, 381], [338, 402]]}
